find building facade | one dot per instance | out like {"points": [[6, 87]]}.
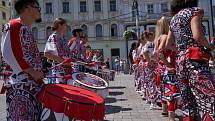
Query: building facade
{"points": [[104, 21], [4, 13], [4, 17]]}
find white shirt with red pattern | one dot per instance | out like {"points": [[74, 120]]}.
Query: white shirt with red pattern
{"points": [[19, 49]]}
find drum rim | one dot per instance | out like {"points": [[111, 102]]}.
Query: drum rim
{"points": [[75, 79]]}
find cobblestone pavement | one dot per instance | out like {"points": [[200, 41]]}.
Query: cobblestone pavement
{"points": [[122, 104], [2, 107]]}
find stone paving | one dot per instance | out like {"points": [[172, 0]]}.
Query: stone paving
{"points": [[122, 104]]}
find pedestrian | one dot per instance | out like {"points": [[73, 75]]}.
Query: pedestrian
{"points": [[107, 63], [195, 77], [20, 52], [56, 49], [117, 65]]}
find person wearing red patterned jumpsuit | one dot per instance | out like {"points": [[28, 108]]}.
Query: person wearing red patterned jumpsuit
{"points": [[20, 52]]}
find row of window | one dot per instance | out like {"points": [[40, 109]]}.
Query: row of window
{"points": [[83, 6], [99, 30], [164, 8], [98, 7]]}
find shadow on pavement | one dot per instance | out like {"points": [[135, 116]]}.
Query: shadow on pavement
{"points": [[116, 93], [110, 100], [116, 87], [113, 100], [115, 109]]}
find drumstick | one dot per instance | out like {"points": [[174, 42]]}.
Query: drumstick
{"points": [[66, 77], [66, 60]]}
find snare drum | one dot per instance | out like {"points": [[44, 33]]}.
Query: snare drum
{"points": [[170, 89], [63, 103], [90, 82], [104, 74]]}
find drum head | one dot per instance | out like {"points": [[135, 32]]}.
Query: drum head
{"points": [[90, 80]]}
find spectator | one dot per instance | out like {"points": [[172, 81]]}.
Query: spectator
{"points": [[117, 65]]}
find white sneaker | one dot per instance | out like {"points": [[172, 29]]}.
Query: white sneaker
{"points": [[152, 106], [148, 102]]}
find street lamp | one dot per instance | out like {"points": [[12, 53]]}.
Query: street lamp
{"points": [[135, 6]]}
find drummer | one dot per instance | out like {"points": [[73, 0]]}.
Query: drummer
{"points": [[56, 48], [20, 52], [75, 43], [88, 54], [83, 41]]}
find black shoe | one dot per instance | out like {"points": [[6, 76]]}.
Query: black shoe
{"points": [[164, 114]]}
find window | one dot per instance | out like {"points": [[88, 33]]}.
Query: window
{"points": [[3, 3], [98, 30], [151, 28], [83, 6], [113, 30], [65, 7], [48, 8], [133, 12], [112, 5], [150, 8], [115, 52], [164, 7], [35, 32], [214, 11], [84, 27], [48, 32], [98, 6], [3, 15]]}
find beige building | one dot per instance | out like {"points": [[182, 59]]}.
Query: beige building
{"points": [[4, 13], [104, 21], [4, 17]]}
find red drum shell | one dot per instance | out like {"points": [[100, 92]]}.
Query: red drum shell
{"points": [[74, 102]]}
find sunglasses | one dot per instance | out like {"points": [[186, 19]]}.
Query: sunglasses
{"points": [[39, 8]]}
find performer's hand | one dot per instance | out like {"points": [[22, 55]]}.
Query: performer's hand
{"points": [[38, 77], [171, 70], [67, 64]]}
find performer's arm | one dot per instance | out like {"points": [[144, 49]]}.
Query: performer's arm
{"points": [[51, 50], [19, 51]]}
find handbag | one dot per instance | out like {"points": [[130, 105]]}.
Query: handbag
{"points": [[197, 55]]}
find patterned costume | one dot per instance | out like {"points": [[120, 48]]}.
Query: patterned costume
{"points": [[151, 91], [75, 48], [20, 51], [196, 84], [57, 46], [169, 85], [137, 67]]}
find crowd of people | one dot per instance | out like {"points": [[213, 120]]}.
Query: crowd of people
{"points": [[173, 66]]}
